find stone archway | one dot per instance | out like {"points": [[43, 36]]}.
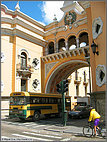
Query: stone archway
{"points": [[61, 72]]}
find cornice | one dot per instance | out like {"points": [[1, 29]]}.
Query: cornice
{"points": [[24, 16], [21, 34], [51, 24], [84, 4], [68, 7], [21, 23], [62, 28]]}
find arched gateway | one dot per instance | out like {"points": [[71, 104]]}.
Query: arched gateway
{"points": [[59, 66]]}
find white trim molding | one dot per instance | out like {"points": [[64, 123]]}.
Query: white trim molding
{"points": [[97, 27]]}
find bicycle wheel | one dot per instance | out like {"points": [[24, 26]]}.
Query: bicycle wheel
{"points": [[103, 132], [87, 131]]}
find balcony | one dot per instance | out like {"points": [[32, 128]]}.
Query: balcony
{"points": [[24, 71], [65, 54]]}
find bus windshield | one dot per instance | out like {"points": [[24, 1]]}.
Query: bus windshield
{"points": [[17, 100]]}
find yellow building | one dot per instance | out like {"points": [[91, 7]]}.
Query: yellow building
{"points": [[22, 46], [35, 57]]}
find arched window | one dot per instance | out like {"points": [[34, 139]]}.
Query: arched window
{"points": [[61, 45], [23, 60], [51, 48], [72, 42], [83, 39]]}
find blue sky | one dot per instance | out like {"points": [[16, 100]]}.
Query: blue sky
{"points": [[42, 11]]}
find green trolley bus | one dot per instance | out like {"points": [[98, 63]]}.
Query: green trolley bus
{"points": [[28, 104]]}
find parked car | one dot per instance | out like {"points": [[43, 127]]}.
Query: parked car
{"points": [[79, 112]]}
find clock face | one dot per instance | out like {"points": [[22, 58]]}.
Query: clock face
{"points": [[70, 18], [100, 75]]}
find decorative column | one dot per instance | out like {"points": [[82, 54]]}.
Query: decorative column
{"points": [[56, 46], [66, 45], [77, 41], [46, 50]]}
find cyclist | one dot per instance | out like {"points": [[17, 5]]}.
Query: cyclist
{"points": [[94, 116]]}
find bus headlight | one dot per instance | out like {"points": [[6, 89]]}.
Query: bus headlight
{"points": [[10, 111], [20, 111]]}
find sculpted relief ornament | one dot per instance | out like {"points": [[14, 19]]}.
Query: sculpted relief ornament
{"points": [[100, 75], [35, 84], [48, 67], [97, 27], [70, 18]]}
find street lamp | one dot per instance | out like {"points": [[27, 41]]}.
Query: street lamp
{"points": [[93, 46]]}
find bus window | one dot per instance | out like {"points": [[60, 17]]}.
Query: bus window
{"points": [[11, 100], [50, 100], [35, 100], [43, 100], [46, 100], [22, 100], [55, 100], [18, 100], [40, 100], [59, 101]]}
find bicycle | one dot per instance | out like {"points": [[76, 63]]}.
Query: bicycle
{"points": [[88, 130]]}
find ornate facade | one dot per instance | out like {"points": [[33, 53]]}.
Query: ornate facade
{"points": [[35, 57]]}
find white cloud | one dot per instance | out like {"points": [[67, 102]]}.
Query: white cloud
{"points": [[49, 8]]}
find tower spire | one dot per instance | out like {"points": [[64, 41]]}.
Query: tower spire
{"points": [[17, 6]]}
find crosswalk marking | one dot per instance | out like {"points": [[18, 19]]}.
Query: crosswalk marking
{"points": [[49, 136], [36, 136], [56, 134], [3, 137], [66, 139], [24, 136], [25, 124]]}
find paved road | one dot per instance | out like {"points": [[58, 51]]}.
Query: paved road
{"points": [[44, 130]]}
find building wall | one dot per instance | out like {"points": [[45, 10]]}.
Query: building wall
{"points": [[82, 95], [20, 34], [96, 14], [33, 51], [6, 72], [101, 39], [6, 65]]}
